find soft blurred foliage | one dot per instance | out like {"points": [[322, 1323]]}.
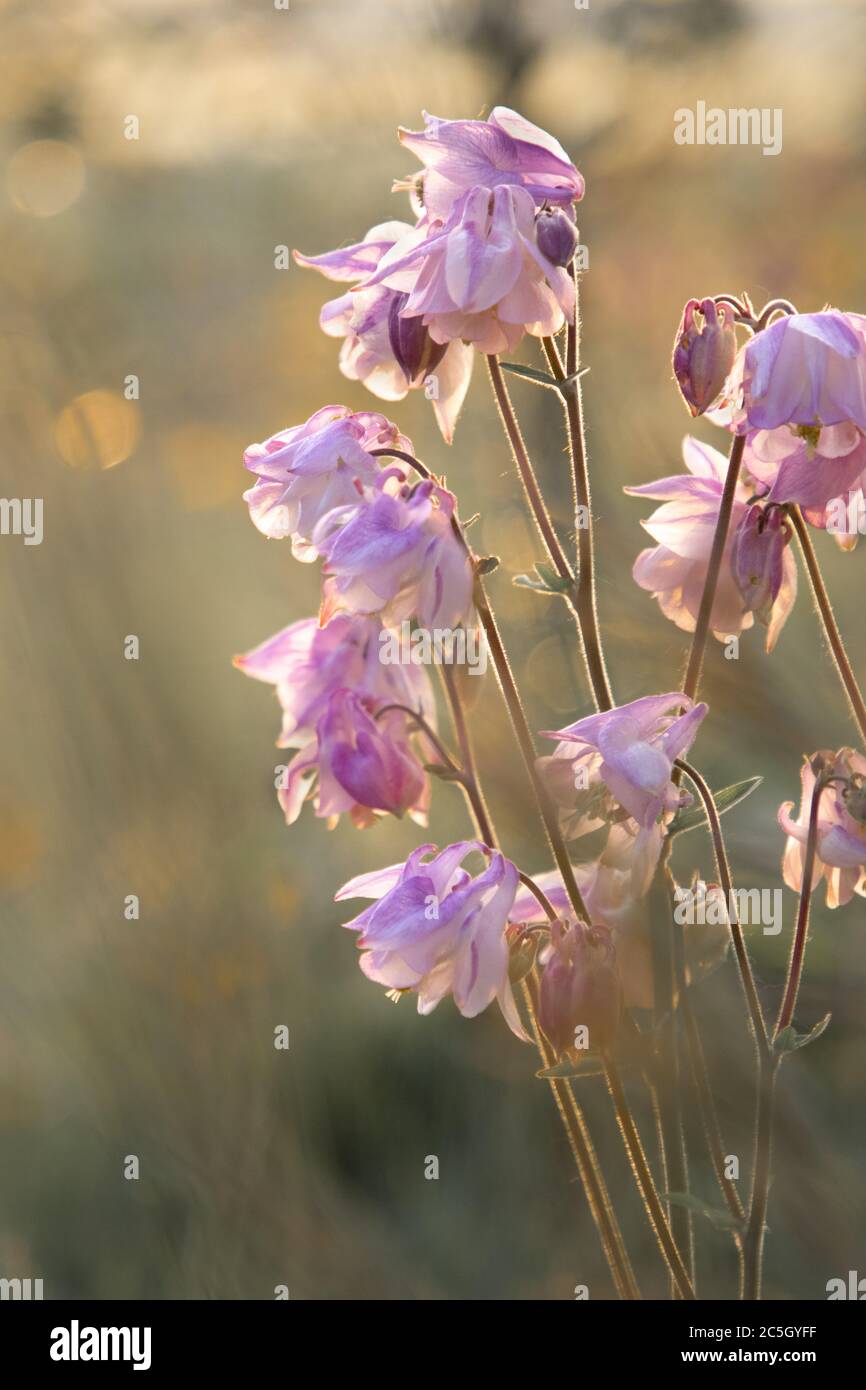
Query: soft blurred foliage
{"points": [[155, 257]]}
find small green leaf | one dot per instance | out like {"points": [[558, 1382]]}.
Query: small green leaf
{"points": [[720, 1217], [590, 1065], [547, 582], [789, 1040], [693, 816], [443, 772], [531, 374]]}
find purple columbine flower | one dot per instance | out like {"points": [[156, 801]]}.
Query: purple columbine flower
{"points": [[615, 769], [504, 149], [305, 472], [704, 352], [556, 235], [306, 663], [841, 851], [480, 276], [364, 319], [674, 570], [580, 988], [758, 559], [397, 555], [359, 766], [436, 930]]}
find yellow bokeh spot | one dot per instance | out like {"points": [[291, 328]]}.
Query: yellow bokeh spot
{"points": [[45, 177], [97, 430]]}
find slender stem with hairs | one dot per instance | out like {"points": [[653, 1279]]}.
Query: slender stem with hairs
{"points": [[702, 626], [831, 629]]}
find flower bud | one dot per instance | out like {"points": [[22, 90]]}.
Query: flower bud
{"points": [[556, 235], [756, 559], [414, 349], [704, 353], [580, 988]]}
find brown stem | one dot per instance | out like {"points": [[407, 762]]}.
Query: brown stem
{"points": [[702, 626], [753, 1239], [801, 930], [831, 630], [644, 1180]]}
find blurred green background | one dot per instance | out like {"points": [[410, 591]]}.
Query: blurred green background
{"points": [[155, 257]]}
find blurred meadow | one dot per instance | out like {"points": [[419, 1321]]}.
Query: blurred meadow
{"points": [[154, 257]]}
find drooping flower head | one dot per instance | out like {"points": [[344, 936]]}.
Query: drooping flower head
{"points": [[389, 354], [304, 472], [436, 930], [841, 849], [398, 556], [798, 392], [674, 571], [704, 352], [504, 149], [615, 768], [580, 989], [480, 275], [355, 757]]}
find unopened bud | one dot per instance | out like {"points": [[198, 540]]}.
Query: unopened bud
{"points": [[411, 344], [756, 559], [556, 235], [704, 352], [580, 988]]}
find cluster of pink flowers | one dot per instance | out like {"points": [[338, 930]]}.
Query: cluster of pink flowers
{"points": [[484, 262], [487, 259]]}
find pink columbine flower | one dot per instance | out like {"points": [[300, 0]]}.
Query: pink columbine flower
{"points": [[674, 571], [615, 768], [480, 276], [504, 149], [841, 850], [391, 356], [305, 472], [306, 663], [798, 392], [758, 559], [437, 930], [357, 765], [397, 555], [580, 988], [704, 352]]}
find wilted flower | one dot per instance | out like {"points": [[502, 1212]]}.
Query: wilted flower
{"points": [[397, 555], [675, 570], [758, 559], [841, 847], [437, 930], [480, 276], [580, 989], [615, 768], [504, 149], [704, 352], [389, 360], [304, 472]]}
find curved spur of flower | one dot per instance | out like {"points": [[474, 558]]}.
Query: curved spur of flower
{"points": [[674, 570], [305, 472], [397, 555], [306, 663], [504, 149], [389, 359], [357, 765], [480, 276], [437, 930], [615, 768], [841, 848]]}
